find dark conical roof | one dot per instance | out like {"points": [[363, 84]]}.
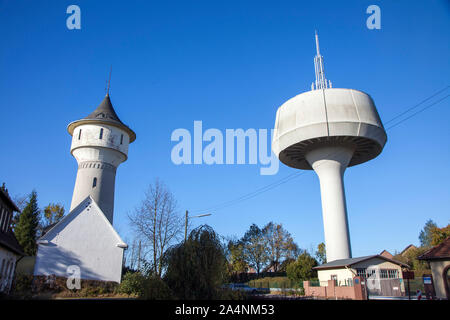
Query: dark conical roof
{"points": [[105, 111], [106, 114]]}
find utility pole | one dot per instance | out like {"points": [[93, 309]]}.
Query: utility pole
{"points": [[186, 222]]}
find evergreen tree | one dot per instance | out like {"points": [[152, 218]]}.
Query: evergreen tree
{"points": [[27, 225], [302, 268], [426, 235]]}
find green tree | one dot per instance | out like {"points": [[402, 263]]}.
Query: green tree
{"points": [[321, 253], [302, 268], [198, 267], [426, 236], [410, 258], [27, 225], [255, 248]]}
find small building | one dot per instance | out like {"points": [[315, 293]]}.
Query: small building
{"points": [[382, 276], [439, 260], [10, 249], [84, 239]]}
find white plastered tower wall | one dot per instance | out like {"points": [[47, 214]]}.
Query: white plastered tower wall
{"points": [[99, 144], [327, 130]]}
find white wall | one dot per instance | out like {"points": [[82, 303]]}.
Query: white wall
{"points": [[84, 238]]}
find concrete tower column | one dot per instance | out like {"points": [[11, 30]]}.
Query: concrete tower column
{"points": [[330, 163]]}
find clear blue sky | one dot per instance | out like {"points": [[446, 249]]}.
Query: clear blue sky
{"points": [[230, 64]]}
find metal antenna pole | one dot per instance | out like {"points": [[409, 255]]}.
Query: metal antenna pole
{"points": [[321, 82], [109, 81]]}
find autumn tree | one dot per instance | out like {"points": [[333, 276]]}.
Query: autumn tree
{"points": [[438, 235], [236, 256], [255, 248], [157, 223], [280, 244], [53, 213], [27, 225], [321, 253]]}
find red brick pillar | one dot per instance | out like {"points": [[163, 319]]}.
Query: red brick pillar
{"points": [[358, 289]]}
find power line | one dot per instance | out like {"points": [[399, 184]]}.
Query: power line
{"points": [[298, 174]]}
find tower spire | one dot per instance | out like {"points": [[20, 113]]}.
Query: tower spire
{"points": [[321, 82]]}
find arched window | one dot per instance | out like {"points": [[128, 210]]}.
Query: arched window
{"points": [[101, 133], [94, 183]]}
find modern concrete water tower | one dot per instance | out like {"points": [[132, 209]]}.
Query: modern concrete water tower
{"points": [[327, 130]]}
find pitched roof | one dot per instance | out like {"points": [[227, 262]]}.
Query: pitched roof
{"points": [[441, 251], [386, 254], [104, 113], [411, 246], [6, 198], [349, 262], [9, 241], [77, 210]]}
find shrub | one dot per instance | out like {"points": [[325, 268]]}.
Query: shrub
{"points": [[151, 288], [156, 289], [22, 286], [133, 283]]}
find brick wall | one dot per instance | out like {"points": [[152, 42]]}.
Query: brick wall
{"points": [[331, 291]]}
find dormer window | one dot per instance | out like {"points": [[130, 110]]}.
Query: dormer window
{"points": [[101, 133]]}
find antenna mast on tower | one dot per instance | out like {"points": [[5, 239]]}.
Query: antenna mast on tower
{"points": [[109, 82], [321, 81]]}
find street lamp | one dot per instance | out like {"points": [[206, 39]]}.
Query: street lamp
{"points": [[186, 222]]}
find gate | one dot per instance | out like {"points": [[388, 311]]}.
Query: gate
{"points": [[380, 283]]}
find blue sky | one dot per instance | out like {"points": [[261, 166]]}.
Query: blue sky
{"points": [[230, 64]]}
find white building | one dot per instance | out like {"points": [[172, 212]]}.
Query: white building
{"points": [[10, 249], [85, 237]]}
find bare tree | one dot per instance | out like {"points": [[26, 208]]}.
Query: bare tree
{"points": [[157, 223]]}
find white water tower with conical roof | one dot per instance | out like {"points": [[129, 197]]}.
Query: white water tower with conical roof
{"points": [[99, 144], [327, 130]]}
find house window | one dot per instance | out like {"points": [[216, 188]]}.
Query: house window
{"points": [[94, 183], [79, 134], [101, 133], [121, 139], [361, 272], [392, 273], [371, 273]]}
